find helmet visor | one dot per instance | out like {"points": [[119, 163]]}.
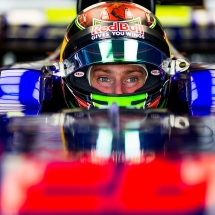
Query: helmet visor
{"points": [[115, 51]]}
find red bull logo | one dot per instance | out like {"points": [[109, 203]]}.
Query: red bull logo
{"points": [[117, 26], [117, 29]]}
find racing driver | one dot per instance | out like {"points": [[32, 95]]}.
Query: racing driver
{"points": [[115, 52]]}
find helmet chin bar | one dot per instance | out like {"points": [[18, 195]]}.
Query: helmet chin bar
{"points": [[104, 101]]}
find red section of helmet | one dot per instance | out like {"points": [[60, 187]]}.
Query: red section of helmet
{"points": [[82, 103], [115, 12], [154, 103], [119, 12], [67, 37]]}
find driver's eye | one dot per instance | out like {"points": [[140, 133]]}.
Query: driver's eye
{"points": [[132, 80], [104, 79]]}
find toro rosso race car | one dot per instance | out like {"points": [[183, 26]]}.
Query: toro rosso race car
{"points": [[49, 85], [157, 158]]}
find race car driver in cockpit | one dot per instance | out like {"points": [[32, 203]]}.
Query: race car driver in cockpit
{"points": [[115, 52]]}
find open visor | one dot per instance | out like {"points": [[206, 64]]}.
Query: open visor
{"points": [[115, 51]]}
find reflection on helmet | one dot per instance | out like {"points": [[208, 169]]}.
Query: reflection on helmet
{"points": [[115, 33]]}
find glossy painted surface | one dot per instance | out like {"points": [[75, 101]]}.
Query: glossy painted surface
{"points": [[202, 92], [52, 172], [20, 90], [81, 187]]}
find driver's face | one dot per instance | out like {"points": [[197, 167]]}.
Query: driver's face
{"points": [[117, 79]]}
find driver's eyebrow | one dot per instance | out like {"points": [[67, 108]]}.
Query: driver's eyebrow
{"points": [[135, 70], [102, 70]]}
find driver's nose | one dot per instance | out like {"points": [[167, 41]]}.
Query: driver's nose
{"points": [[118, 88]]}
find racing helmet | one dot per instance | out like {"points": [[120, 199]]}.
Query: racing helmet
{"points": [[112, 33]]}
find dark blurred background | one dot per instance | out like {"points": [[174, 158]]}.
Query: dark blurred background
{"points": [[31, 30]]}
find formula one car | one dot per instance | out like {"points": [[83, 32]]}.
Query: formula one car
{"points": [[112, 160], [45, 92]]}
